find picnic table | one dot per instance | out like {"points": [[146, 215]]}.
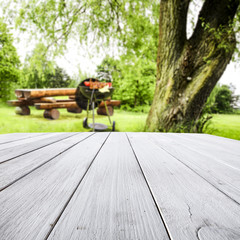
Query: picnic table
{"points": [[119, 186], [43, 99]]}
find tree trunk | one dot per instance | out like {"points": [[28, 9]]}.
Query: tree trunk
{"points": [[188, 69]]}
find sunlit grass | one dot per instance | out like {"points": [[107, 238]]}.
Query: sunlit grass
{"points": [[221, 124], [68, 122], [225, 125]]}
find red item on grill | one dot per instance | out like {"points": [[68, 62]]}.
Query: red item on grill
{"points": [[87, 84]]}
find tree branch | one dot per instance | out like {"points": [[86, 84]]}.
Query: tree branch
{"points": [[172, 34], [215, 13], [172, 26]]}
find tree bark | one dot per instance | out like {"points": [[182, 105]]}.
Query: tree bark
{"points": [[188, 69]]}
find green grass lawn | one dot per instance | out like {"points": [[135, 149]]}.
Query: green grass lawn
{"points": [[68, 122], [225, 125], [221, 124]]}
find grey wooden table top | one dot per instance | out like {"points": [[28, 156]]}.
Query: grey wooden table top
{"points": [[119, 186]]}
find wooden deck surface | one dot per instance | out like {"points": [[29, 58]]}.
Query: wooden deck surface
{"points": [[145, 186]]}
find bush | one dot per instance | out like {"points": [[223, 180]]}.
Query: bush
{"points": [[9, 62], [222, 100]]}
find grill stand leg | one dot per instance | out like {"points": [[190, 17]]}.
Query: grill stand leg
{"points": [[93, 116], [107, 112], [87, 109]]}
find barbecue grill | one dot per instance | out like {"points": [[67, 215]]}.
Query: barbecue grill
{"points": [[90, 93]]}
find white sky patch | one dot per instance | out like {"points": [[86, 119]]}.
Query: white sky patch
{"points": [[232, 75]]}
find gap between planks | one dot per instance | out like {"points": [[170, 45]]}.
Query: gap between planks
{"points": [[150, 190], [59, 137], [37, 199], [192, 208], [15, 179], [26, 135], [59, 216], [212, 170], [113, 201]]}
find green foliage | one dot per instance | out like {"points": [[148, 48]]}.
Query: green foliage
{"points": [[224, 36], [134, 80], [133, 23], [40, 72], [236, 26], [9, 62], [210, 105], [224, 100], [221, 100], [59, 79], [36, 68]]}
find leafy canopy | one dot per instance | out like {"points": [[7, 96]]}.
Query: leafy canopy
{"points": [[41, 72], [132, 23]]}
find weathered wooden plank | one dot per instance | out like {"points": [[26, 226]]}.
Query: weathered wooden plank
{"points": [[19, 103], [37, 93], [56, 105], [110, 103], [191, 207], [30, 206], [29, 139], [12, 137], [29, 145], [230, 145], [113, 201], [219, 152], [31, 102], [13, 170], [215, 169]]}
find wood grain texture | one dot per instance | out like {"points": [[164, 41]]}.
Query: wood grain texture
{"points": [[214, 165], [23, 110], [110, 103], [30, 207], [17, 168], [12, 137], [228, 153], [49, 92], [51, 114], [29, 145], [29, 138], [227, 144], [113, 200], [66, 104], [217, 145], [191, 207]]}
